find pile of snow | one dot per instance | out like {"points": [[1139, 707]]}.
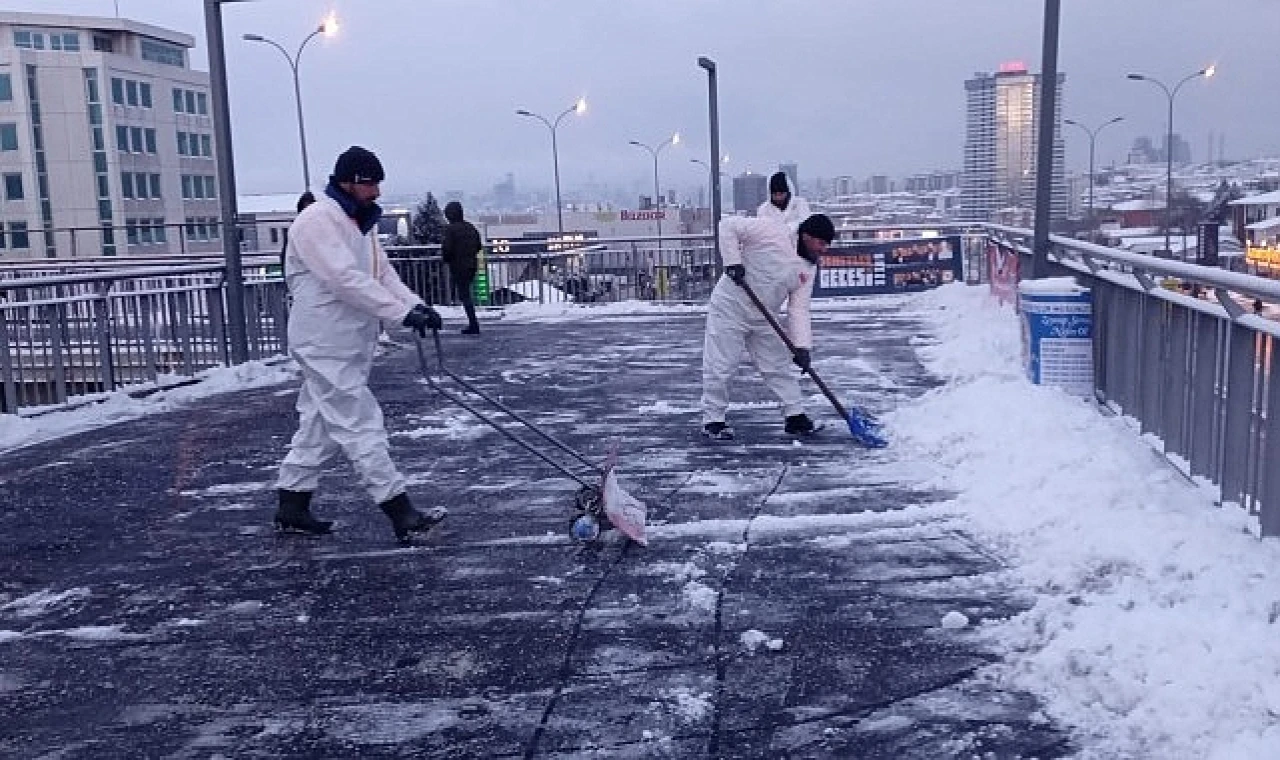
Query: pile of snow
{"points": [[41, 602], [754, 639], [28, 428], [1154, 630], [691, 706], [699, 596], [114, 632], [532, 311]]}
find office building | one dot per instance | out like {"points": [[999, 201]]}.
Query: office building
{"points": [[1001, 140], [749, 191], [793, 175], [106, 140]]}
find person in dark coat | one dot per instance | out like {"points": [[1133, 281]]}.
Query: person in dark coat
{"points": [[304, 200], [460, 250]]}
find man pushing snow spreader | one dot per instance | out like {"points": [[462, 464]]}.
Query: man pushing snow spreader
{"points": [[343, 287]]}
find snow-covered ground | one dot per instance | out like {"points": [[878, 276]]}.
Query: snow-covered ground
{"points": [[1152, 631]]}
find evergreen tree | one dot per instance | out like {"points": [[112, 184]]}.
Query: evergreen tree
{"points": [[428, 222]]}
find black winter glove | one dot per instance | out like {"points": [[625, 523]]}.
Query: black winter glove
{"points": [[802, 358], [736, 272], [423, 318]]}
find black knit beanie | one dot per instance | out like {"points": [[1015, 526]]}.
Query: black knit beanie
{"points": [[357, 164], [778, 183], [819, 226]]}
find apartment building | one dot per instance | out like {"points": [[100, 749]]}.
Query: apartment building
{"points": [[106, 140]]}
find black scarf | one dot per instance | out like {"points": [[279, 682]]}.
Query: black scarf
{"points": [[365, 217]]}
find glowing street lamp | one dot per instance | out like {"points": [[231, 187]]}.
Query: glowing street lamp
{"points": [[578, 108], [1093, 135], [328, 28], [657, 192], [1206, 73]]}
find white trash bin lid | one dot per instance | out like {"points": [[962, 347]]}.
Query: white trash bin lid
{"points": [[1052, 286]]}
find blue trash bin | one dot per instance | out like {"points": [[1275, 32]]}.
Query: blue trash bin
{"points": [[1057, 333]]}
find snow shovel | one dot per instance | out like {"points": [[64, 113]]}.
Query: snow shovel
{"points": [[864, 428], [593, 503]]}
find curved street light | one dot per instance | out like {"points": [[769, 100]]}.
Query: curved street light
{"points": [[328, 28], [1093, 135], [1206, 72], [577, 108], [657, 192], [705, 165]]}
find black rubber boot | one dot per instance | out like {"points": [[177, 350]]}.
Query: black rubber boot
{"points": [[473, 324], [294, 514], [799, 424], [405, 520], [717, 431]]}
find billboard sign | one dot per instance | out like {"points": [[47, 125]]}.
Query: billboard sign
{"points": [[892, 266]]}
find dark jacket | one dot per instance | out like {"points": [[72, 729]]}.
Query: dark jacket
{"points": [[461, 245], [304, 200]]}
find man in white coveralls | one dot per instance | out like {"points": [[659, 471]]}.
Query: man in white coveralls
{"points": [[783, 204], [343, 288], [779, 263]]}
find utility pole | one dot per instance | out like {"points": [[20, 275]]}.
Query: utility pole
{"points": [[1044, 153]]}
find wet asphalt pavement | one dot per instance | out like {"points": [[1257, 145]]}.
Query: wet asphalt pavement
{"points": [[789, 604]]}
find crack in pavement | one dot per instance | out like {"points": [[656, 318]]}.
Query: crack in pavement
{"points": [[722, 662], [566, 665]]}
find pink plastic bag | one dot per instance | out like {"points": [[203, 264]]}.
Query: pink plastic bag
{"points": [[626, 512]]}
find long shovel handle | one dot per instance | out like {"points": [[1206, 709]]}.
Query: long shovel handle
{"points": [[773, 322], [566, 448], [426, 373]]}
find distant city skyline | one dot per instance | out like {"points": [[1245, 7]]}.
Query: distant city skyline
{"points": [[840, 89]]}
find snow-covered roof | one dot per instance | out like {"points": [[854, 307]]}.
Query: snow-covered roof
{"points": [[1150, 243], [1265, 224], [268, 203], [1130, 232], [1141, 204], [1265, 199]]}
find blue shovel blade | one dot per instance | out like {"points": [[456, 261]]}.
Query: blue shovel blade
{"points": [[866, 430]]}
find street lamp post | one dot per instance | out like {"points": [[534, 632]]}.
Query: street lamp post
{"points": [[1093, 136], [657, 191], [713, 113], [714, 174], [1046, 135], [237, 334], [579, 108], [327, 28], [1206, 72]]}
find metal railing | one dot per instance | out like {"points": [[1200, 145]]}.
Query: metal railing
{"points": [[683, 268], [82, 334], [144, 236], [74, 328], [25, 269], [1179, 348]]}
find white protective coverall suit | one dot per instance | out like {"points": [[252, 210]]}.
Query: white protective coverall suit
{"points": [[767, 248], [796, 212], [342, 286]]}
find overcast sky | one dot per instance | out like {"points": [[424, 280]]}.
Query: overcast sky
{"points": [[853, 87]]}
